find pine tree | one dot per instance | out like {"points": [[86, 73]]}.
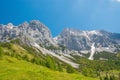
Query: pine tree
{"points": [[100, 78], [112, 77], [59, 67], [50, 63], [70, 69], [106, 77], [1, 52], [119, 76]]}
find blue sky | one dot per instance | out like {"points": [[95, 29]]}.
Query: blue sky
{"points": [[59, 14]]}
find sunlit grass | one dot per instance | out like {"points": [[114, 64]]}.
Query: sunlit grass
{"points": [[14, 69]]}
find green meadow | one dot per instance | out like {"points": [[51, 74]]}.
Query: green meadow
{"points": [[15, 69]]}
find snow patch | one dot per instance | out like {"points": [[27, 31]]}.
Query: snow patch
{"points": [[92, 51]]}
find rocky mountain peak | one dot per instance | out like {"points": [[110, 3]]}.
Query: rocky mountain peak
{"points": [[34, 30], [73, 39], [83, 39], [9, 25]]}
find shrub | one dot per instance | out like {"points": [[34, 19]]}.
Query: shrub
{"points": [[70, 69]]}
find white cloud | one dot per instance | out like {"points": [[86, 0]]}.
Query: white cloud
{"points": [[116, 0]]}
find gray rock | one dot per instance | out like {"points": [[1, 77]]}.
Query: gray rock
{"points": [[35, 30], [82, 40]]}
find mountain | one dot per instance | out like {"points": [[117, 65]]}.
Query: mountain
{"points": [[31, 44], [70, 42], [35, 35], [82, 40], [34, 30]]}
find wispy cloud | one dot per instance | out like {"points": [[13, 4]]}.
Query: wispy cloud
{"points": [[116, 0]]}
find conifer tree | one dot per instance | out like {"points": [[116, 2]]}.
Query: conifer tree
{"points": [[0, 52]]}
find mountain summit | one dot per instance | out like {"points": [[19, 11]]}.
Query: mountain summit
{"points": [[83, 39], [70, 41], [34, 30]]}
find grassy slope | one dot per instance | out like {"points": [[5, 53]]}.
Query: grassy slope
{"points": [[14, 69]]}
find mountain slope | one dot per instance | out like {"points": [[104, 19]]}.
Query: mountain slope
{"points": [[33, 34], [28, 50], [82, 40], [12, 68]]}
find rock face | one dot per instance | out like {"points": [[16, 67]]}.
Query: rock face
{"points": [[35, 31], [77, 40], [82, 40], [8, 32], [36, 35]]}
